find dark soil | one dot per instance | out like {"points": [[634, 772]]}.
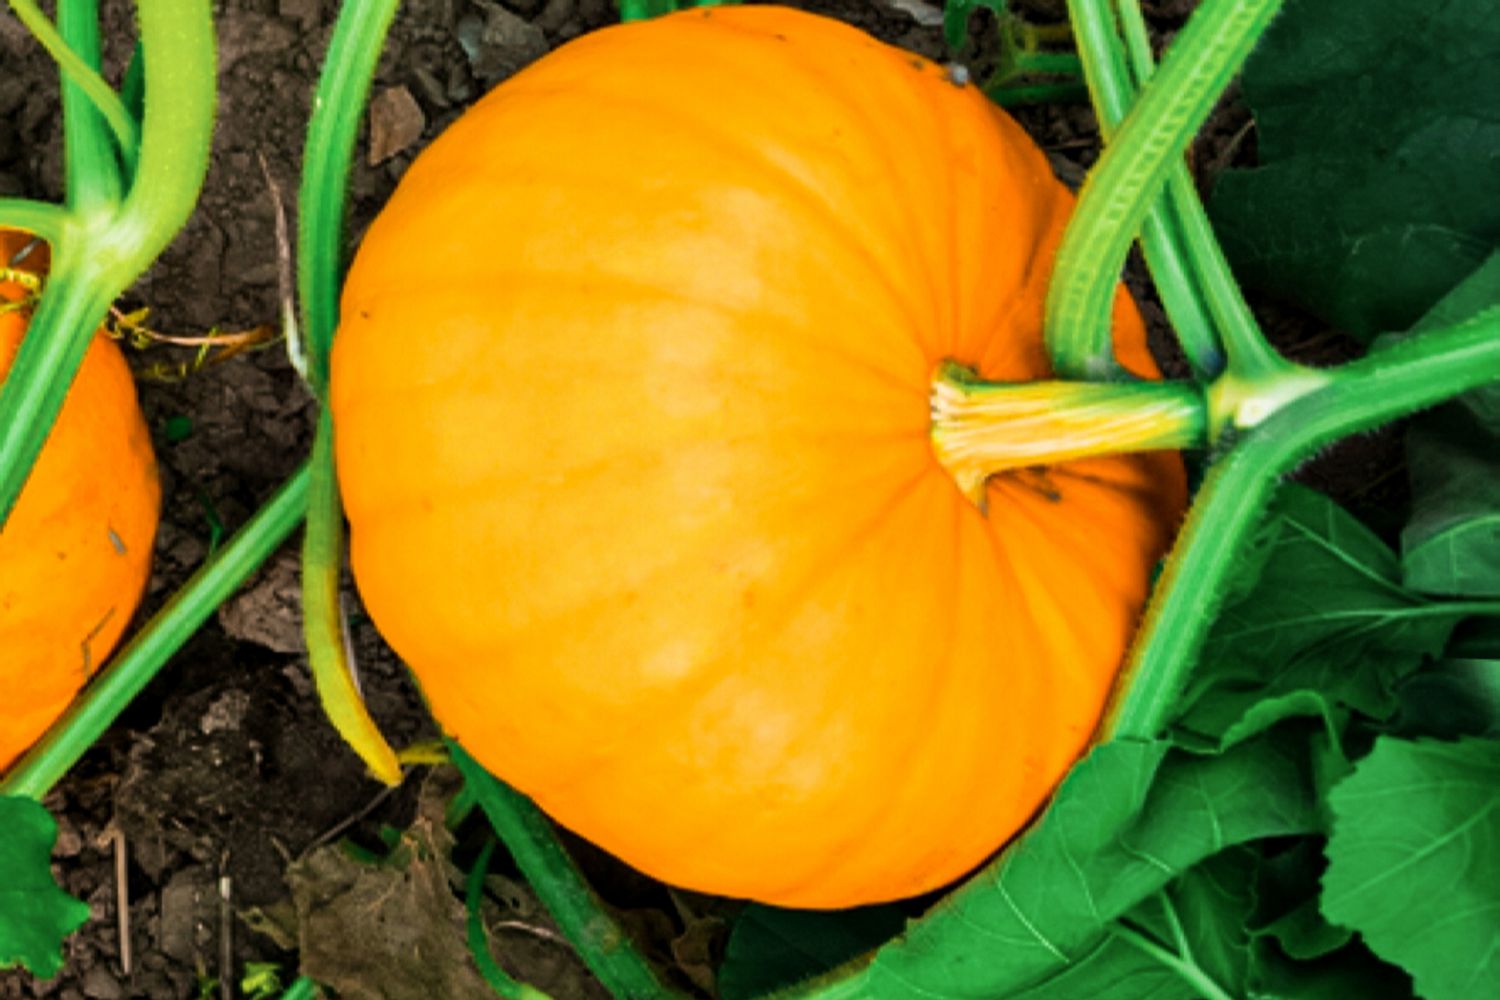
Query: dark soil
{"points": [[209, 811]]}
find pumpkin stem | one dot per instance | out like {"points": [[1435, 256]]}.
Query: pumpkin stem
{"points": [[983, 428]]}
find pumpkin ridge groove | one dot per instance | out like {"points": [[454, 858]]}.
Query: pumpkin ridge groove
{"points": [[910, 221]]}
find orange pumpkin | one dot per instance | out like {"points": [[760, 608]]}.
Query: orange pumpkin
{"points": [[631, 398], [76, 551]]}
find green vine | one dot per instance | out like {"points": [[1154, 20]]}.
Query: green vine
{"points": [[105, 237], [343, 88], [1130, 174]]}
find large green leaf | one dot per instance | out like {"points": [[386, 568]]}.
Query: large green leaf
{"points": [[1451, 545], [1379, 158], [1130, 818], [1414, 862], [35, 915], [1326, 625]]}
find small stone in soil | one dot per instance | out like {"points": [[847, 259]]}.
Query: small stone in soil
{"points": [[396, 122], [100, 984]]}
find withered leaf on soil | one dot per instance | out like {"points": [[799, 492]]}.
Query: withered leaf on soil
{"points": [[394, 929]]}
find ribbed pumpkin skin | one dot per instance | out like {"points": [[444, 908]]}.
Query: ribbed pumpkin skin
{"points": [[76, 552], [631, 407]]}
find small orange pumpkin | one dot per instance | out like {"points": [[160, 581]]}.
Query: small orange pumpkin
{"points": [[631, 399], [76, 551]]}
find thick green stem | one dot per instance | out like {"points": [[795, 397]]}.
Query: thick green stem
{"points": [[1132, 27], [1103, 61], [980, 429], [1113, 88], [177, 37], [1128, 177], [133, 87], [601, 943], [1172, 273], [1247, 352], [140, 660], [1411, 375]]}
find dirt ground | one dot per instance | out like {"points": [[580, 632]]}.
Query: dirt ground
{"points": [[218, 794]]}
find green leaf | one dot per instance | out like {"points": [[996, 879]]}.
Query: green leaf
{"points": [[1379, 158], [1452, 543], [1195, 929], [1112, 970], [1304, 934], [35, 915], [1327, 624], [1285, 892], [1457, 697], [1476, 293], [1295, 953], [771, 948], [1414, 862], [956, 14], [1127, 820], [1213, 901]]}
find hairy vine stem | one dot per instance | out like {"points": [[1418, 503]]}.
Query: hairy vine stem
{"points": [[1407, 376], [1131, 172]]}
